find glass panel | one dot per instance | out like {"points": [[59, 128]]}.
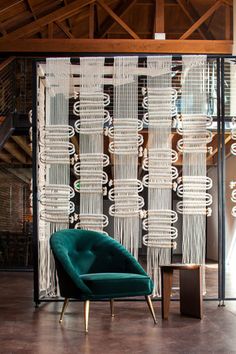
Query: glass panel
{"points": [[212, 172], [211, 260], [15, 222], [230, 176]]}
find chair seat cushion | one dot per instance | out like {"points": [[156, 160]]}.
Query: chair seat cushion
{"points": [[109, 285]]}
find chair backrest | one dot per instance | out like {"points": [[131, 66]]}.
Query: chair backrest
{"points": [[80, 252]]}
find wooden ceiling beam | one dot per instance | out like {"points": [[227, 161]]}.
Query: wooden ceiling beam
{"points": [[83, 15], [27, 15], [33, 14], [121, 10], [18, 18], [46, 8], [6, 62], [10, 6], [13, 149], [228, 2], [96, 23], [6, 157], [57, 15], [118, 19], [159, 25], [68, 20], [2, 29], [202, 19], [64, 29], [21, 141], [227, 22], [31, 9], [50, 30], [78, 46], [190, 11], [24, 174], [91, 21]]}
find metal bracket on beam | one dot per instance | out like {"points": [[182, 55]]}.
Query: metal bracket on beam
{"points": [[159, 36]]}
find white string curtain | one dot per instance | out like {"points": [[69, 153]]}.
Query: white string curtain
{"points": [[159, 100], [54, 171], [89, 168], [194, 183], [124, 147]]}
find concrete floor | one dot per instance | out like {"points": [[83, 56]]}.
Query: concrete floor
{"points": [[26, 330]]}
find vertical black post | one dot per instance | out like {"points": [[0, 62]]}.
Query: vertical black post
{"points": [[34, 184], [223, 177], [219, 185]]}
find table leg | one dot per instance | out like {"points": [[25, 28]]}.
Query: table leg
{"points": [[191, 292], [166, 285]]}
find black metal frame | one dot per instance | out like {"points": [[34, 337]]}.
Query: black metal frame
{"points": [[221, 176], [34, 184], [222, 165]]}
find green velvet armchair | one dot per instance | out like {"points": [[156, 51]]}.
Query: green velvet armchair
{"points": [[92, 266]]}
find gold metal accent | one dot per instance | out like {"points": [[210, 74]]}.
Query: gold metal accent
{"points": [[112, 307], [86, 315], [149, 302], [66, 301]]}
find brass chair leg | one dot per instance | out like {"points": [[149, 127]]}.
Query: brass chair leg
{"points": [[86, 315], [149, 302], [112, 307], [66, 301]]}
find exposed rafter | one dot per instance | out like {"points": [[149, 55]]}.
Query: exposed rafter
{"points": [[32, 12], [24, 174], [227, 22], [109, 23], [6, 62], [228, 2], [57, 15], [2, 29], [91, 21], [64, 29], [159, 16], [96, 23], [13, 149], [118, 19], [69, 22], [192, 14], [10, 6], [21, 141], [50, 30], [31, 9], [5, 157], [202, 19]]}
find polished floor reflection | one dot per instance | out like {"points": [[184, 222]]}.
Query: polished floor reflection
{"points": [[26, 330]]}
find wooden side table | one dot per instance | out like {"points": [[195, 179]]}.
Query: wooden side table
{"points": [[190, 281]]}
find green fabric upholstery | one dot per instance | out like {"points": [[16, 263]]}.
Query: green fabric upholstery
{"points": [[117, 284], [91, 265]]}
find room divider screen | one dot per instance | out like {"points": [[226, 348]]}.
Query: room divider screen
{"points": [[136, 147]]}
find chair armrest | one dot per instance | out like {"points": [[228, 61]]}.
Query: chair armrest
{"points": [[131, 264]]}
